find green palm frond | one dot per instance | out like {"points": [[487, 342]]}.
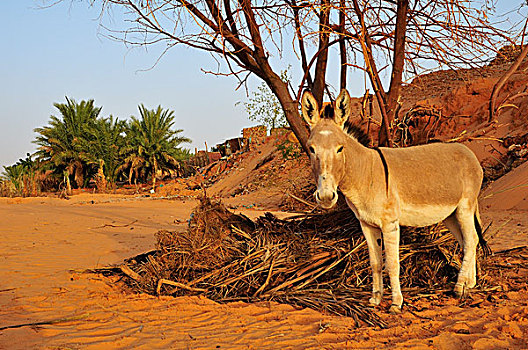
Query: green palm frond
{"points": [[63, 140], [153, 140]]}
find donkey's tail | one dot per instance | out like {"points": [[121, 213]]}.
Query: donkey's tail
{"points": [[483, 243]]}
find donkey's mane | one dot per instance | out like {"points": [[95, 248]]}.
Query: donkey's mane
{"points": [[328, 111], [356, 132], [349, 128]]}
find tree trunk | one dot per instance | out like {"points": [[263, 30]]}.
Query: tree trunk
{"points": [[398, 63], [498, 86], [372, 71], [304, 61], [320, 67], [68, 185], [342, 46], [100, 178], [256, 60], [25, 186], [79, 174], [154, 173], [130, 174], [291, 110]]}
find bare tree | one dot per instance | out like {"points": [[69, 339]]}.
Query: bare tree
{"points": [[381, 37], [403, 36], [500, 83]]}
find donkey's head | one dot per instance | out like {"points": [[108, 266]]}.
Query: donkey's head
{"points": [[326, 144]]}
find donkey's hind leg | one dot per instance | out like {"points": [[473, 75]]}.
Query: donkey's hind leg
{"points": [[373, 238], [467, 276], [452, 225]]}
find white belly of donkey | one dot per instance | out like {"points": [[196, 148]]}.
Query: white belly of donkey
{"points": [[424, 214]]}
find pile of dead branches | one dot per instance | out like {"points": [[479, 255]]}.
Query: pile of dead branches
{"points": [[318, 261]]}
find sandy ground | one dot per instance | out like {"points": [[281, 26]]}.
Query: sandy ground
{"points": [[46, 242]]}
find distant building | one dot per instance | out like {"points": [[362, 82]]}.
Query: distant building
{"points": [[254, 132], [234, 145], [214, 156]]}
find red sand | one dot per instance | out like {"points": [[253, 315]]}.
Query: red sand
{"points": [[44, 238]]}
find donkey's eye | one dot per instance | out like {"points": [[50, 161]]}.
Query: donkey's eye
{"points": [[312, 150], [340, 149]]}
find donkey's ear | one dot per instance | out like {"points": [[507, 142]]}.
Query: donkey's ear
{"points": [[310, 110], [342, 108]]}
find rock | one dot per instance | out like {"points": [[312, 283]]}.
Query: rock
{"points": [[513, 329], [448, 341], [490, 343], [461, 328]]}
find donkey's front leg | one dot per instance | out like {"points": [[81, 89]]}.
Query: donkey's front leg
{"points": [[373, 237], [391, 238]]}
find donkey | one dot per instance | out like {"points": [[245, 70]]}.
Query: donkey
{"points": [[388, 187]]}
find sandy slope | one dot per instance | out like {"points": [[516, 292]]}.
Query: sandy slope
{"points": [[43, 238], [504, 205]]}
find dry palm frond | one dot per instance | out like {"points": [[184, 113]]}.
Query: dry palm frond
{"points": [[318, 261]]}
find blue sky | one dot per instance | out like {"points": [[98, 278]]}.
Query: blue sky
{"points": [[59, 51], [47, 54]]}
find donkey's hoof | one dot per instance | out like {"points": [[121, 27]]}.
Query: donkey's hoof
{"points": [[460, 290], [395, 309], [374, 301], [376, 298]]}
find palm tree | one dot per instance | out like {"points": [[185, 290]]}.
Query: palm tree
{"points": [[103, 144], [153, 146], [23, 176], [13, 174], [59, 142]]}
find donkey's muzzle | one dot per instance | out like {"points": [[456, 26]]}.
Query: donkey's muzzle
{"points": [[326, 198]]}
